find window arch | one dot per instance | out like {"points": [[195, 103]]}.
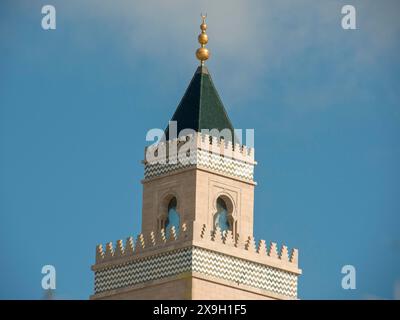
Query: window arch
{"points": [[173, 218], [223, 218]]}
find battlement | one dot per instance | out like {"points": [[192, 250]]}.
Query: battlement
{"points": [[167, 150], [198, 235], [199, 151]]}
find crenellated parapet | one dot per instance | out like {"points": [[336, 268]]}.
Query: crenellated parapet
{"points": [[195, 234], [206, 142], [142, 243], [200, 150], [200, 252]]}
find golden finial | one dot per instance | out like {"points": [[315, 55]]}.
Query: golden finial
{"points": [[202, 53]]}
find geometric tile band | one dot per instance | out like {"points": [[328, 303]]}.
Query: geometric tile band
{"points": [[205, 159], [199, 260], [142, 270], [245, 272]]}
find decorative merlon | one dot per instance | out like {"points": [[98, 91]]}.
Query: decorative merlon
{"points": [[197, 234], [167, 150], [199, 151]]}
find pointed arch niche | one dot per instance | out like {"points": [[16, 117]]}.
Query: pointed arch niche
{"points": [[224, 214], [170, 215]]}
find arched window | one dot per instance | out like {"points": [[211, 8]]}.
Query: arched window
{"points": [[221, 218], [173, 218]]}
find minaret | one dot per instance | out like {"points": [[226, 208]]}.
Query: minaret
{"points": [[197, 215]]}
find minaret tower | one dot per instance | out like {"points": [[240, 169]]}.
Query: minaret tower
{"points": [[197, 215]]}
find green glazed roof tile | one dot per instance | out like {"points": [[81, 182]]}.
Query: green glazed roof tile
{"points": [[201, 107]]}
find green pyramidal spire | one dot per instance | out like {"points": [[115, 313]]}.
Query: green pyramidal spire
{"points": [[201, 106]]}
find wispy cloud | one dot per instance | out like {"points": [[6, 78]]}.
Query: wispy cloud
{"points": [[281, 42], [251, 39]]}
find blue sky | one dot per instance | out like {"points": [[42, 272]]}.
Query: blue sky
{"points": [[76, 103]]}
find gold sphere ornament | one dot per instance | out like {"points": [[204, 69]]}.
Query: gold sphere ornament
{"points": [[202, 54], [203, 38]]}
